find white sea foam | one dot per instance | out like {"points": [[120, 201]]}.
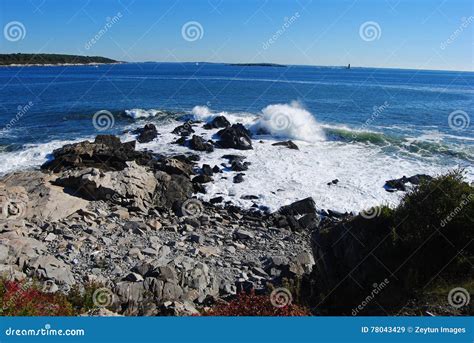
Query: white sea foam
{"points": [[32, 156], [138, 113], [289, 121], [277, 175]]}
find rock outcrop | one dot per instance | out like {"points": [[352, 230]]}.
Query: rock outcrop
{"points": [[217, 123], [400, 184], [236, 137], [147, 133], [105, 153], [133, 187], [288, 144]]}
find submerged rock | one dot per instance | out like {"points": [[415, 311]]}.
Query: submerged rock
{"points": [[288, 144], [400, 184], [239, 178]]}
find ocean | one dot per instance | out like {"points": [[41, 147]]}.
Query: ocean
{"points": [[361, 126]]}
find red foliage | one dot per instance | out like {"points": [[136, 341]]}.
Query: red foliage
{"points": [[25, 299], [255, 305]]}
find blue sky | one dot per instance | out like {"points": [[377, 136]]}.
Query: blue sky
{"points": [[418, 34]]}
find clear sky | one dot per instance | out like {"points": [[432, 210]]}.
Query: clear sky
{"points": [[418, 34]]}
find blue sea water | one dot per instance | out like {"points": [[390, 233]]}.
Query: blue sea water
{"points": [[419, 116], [65, 98]]}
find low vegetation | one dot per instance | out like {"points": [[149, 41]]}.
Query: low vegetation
{"points": [[25, 59], [424, 244], [255, 305], [27, 299]]}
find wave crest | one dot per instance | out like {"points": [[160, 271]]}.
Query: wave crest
{"points": [[290, 121], [138, 113]]}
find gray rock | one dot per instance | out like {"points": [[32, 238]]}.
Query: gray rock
{"points": [[243, 234]]}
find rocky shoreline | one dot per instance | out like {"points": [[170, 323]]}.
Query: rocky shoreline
{"points": [[131, 221]]}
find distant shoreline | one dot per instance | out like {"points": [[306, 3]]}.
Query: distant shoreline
{"points": [[58, 64], [20, 59]]}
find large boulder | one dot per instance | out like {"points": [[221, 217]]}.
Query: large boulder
{"points": [[198, 143], [301, 207], [172, 190], [31, 194], [236, 137], [184, 130], [48, 267], [147, 133], [133, 187], [105, 153], [217, 122], [180, 165]]}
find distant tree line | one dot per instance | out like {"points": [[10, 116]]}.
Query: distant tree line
{"points": [[7, 59]]}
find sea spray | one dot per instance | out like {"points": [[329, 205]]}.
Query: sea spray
{"points": [[202, 113], [289, 121], [138, 113]]}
